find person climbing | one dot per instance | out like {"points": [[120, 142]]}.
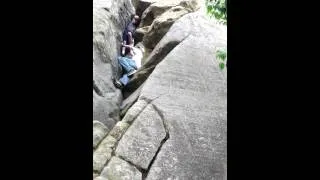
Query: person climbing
{"points": [[127, 35], [128, 65]]}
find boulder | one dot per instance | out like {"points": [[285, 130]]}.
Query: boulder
{"points": [[140, 32], [188, 92], [190, 24], [159, 7], [141, 5], [161, 25]]}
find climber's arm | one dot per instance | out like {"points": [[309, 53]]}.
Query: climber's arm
{"points": [[127, 46]]}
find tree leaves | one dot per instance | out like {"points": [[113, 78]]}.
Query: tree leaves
{"points": [[221, 65], [217, 9], [222, 55]]}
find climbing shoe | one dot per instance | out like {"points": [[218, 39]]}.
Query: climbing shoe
{"points": [[118, 84]]}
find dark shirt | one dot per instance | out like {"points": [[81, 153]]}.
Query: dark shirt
{"points": [[130, 28]]}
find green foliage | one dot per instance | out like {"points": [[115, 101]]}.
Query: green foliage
{"points": [[217, 9], [222, 55], [221, 65]]}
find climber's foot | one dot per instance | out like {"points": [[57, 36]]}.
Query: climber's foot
{"points": [[118, 84]]}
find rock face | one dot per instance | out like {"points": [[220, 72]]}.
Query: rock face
{"points": [[189, 93], [156, 7], [109, 20], [152, 34], [161, 25], [99, 131], [159, 15], [142, 140], [174, 124], [103, 153], [141, 5], [119, 169], [140, 32]]}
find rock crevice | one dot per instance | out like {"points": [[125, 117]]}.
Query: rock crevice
{"points": [[145, 174]]}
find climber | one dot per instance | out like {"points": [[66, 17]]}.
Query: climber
{"points": [[128, 65], [127, 36]]}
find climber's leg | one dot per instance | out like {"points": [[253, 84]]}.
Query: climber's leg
{"points": [[125, 64], [124, 79], [132, 63]]}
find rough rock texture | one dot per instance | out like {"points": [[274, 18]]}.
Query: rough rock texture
{"points": [[103, 153], [161, 25], [140, 32], [119, 129], [141, 5], [189, 24], [189, 93], [153, 11], [174, 119], [142, 140], [99, 131], [134, 111], [109, 20], [158, 7], [118, 169], [129, 101]]}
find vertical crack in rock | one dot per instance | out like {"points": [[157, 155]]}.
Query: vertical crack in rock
{"points": [[145, 173]]}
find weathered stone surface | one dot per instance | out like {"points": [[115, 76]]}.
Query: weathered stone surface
{"points": [[103, 153], [194, 106], [119, 129], [161, 25], [118, 169], [105, 110], [109, 20], [142, 140], [140, 32], [99, 131], [141, 5], [192, 98], [134, 111], [190, 24], [157, 8], [129, 101], [152, 12]]}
